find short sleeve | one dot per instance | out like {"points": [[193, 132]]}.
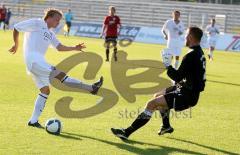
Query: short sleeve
{"points": [[119, 21], [106, 20], [207, 29], [30, 25], [165, 26]]}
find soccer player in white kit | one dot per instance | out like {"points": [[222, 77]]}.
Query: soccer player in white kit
{"points": [[212, 30], [172, 31], [37, 37]]}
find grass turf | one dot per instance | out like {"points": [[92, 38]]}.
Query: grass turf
{"points": [[212, 127]]}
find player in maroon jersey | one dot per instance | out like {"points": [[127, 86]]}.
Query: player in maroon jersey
{"points": [[110, 30], [3, 12]]}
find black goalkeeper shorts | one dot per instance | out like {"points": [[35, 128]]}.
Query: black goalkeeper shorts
{"points": [[180, 98]]}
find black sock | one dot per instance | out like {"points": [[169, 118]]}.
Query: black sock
{"points": [[140, 121], [107, 54], [115, 54], [165, 117]]}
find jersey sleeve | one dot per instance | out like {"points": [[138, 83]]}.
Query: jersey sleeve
{"points": [[207, 29], [180, 74], [119, 21], [54, 41], [28, 25], [165, 26], [106, 21]]}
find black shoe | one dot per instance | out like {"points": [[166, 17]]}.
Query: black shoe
{"points": [[165, 130], [119, 133], [107, 60], [97, 85], [36, 124]]}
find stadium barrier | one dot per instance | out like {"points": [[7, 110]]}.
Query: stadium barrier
{"points": [[152, 35], [227, 42]]}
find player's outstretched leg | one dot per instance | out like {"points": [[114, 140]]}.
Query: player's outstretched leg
{"points": [[97, 85], [142, 119], [139, 122], [74, 83]]}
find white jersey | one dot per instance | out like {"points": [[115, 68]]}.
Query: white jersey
{"points": [[212, 31], [37, 38], [174, 32]]}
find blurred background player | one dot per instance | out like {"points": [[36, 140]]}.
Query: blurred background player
{"points": [[7, 19], [172, 31], [68, 21], [191, 78], [212, 30], [37, 37], [111, 29], [3, 12]]}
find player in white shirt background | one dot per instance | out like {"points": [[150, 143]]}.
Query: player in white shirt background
{"points": [[172, 31], [212, 30], [38, 35]]}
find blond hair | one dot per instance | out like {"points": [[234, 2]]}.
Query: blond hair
{"points": [[50, 12]]}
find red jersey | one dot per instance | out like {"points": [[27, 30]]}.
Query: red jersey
{"points": [[2, 13], [111, 23]]}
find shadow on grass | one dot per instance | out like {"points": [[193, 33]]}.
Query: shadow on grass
{"points": [[201, 145], [128, 145], [226, 83]]}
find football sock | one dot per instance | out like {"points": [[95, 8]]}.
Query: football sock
{"points": [[74, 83], [115, 54], [107, 54], [165, 117], [38, 108], [176, 64], [140, 121]]}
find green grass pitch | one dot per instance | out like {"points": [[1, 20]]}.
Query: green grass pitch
{"points": [[212, 127]]}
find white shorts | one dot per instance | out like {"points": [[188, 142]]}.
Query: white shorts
{"points": [[176, 51], [41, 74], [175, 47], [212, 41]]}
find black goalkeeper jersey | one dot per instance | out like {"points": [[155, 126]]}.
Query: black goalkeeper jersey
{"points": [[192, 71]]}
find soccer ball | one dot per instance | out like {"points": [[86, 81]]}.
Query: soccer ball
{"points": [[53, 126]]}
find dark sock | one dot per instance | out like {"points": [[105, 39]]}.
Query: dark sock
{"points": [[107, 54], [140, 121], [115, 54], [165, 117]]}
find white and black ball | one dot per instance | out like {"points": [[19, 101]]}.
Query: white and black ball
{"points": [[53, 126]]}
